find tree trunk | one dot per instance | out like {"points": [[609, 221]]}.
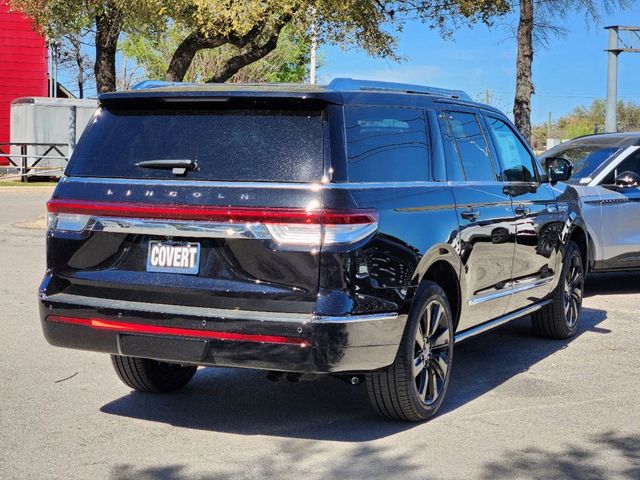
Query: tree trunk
{"points": [[234, 64], [108, 28], [196, 41], [524, 83], [183, 56]]}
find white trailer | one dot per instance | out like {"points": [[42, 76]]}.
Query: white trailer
{"points": [[44, 132]]}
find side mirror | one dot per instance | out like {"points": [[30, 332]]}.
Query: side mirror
{"points": [[628, 179], [558, 169]]}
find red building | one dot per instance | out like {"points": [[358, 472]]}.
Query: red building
{"points": [[23, 63]]}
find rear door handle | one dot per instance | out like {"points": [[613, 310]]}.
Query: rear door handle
{"points": [[470, 214], [522, 210]]}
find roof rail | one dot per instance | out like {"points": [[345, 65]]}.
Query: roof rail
{"points": [[354, 84], [145, 84]]}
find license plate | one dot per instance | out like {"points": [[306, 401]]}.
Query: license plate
{"points": [[170, 257]]}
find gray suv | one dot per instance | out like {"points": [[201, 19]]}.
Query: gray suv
{"points": [[607, 179]]}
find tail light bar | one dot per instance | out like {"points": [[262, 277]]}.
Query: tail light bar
{"points": [[128, 327], [287, 226]]}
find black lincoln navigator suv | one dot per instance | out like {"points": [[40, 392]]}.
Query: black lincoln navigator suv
{"points": [[358, 229]]}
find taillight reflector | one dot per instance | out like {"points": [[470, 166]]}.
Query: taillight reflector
{"points": [[127, 327]]}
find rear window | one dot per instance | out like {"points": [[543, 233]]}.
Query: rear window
{"points": [[386, 144], [228, 145]]}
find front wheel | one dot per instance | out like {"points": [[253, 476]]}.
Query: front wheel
{"points": [[560, 318], [414, 386], [146, 375]]}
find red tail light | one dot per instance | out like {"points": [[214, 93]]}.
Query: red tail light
{"points": [[284, 225]]}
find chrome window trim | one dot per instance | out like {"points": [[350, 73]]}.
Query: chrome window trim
{"points": [[213, 313], [261, 185], [285, 185], [612, 165]]}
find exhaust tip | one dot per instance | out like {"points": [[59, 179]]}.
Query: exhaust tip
{"points": [[293, 378], [274, 376]]}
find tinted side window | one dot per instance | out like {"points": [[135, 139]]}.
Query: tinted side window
{"points": [[472, 146], [454, 167], [629, 164], [386, 144], [516, 159]]}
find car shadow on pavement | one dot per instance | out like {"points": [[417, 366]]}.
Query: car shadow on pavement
{"points": [[244, 402], [606, 454], [614, 283], [487, 361], [288, 460]]}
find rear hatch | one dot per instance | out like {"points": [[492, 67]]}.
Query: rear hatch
{"points": [[211, 203]]}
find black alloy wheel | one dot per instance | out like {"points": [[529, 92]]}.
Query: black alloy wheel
{"points": [[431, 353], [560, 318], [414, 386], [573, 291]]}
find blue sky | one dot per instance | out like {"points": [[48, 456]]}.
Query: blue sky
{"points": [[571, 71]]}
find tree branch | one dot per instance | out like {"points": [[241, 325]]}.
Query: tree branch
{"points": [[196, 41], [234, 64], [183, 56]]}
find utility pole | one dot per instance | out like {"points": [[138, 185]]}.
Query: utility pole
{"points": [[54, 49], [314, 47], [611, 116], [621, 39]]}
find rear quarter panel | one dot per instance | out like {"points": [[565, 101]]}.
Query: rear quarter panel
{"points": [[417, 227]]}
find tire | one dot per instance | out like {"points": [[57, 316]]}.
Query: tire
{"points": [[560, 319], [151, 376], [405, 390]]}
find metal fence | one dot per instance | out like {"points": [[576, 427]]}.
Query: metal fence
{"points": [[27, 163]]}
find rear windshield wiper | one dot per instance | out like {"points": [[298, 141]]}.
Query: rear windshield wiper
{"points": [[178, 166]]}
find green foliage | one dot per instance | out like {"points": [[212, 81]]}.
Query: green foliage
{"points": [[152, 53], [290, 60], [584, 120], [57, 18], [287, 63], [369, 24], [178, 36]]}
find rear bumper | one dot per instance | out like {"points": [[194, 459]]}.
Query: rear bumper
{"points": [[289, 342]]}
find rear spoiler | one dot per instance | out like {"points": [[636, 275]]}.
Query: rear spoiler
{"points": [[217, 95]]}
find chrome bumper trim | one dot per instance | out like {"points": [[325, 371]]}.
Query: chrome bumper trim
{"points": [[252, 315], [510, 290], [177, 228]]}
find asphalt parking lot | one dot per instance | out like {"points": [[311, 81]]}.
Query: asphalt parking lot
{"points": [[518, 406]]}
